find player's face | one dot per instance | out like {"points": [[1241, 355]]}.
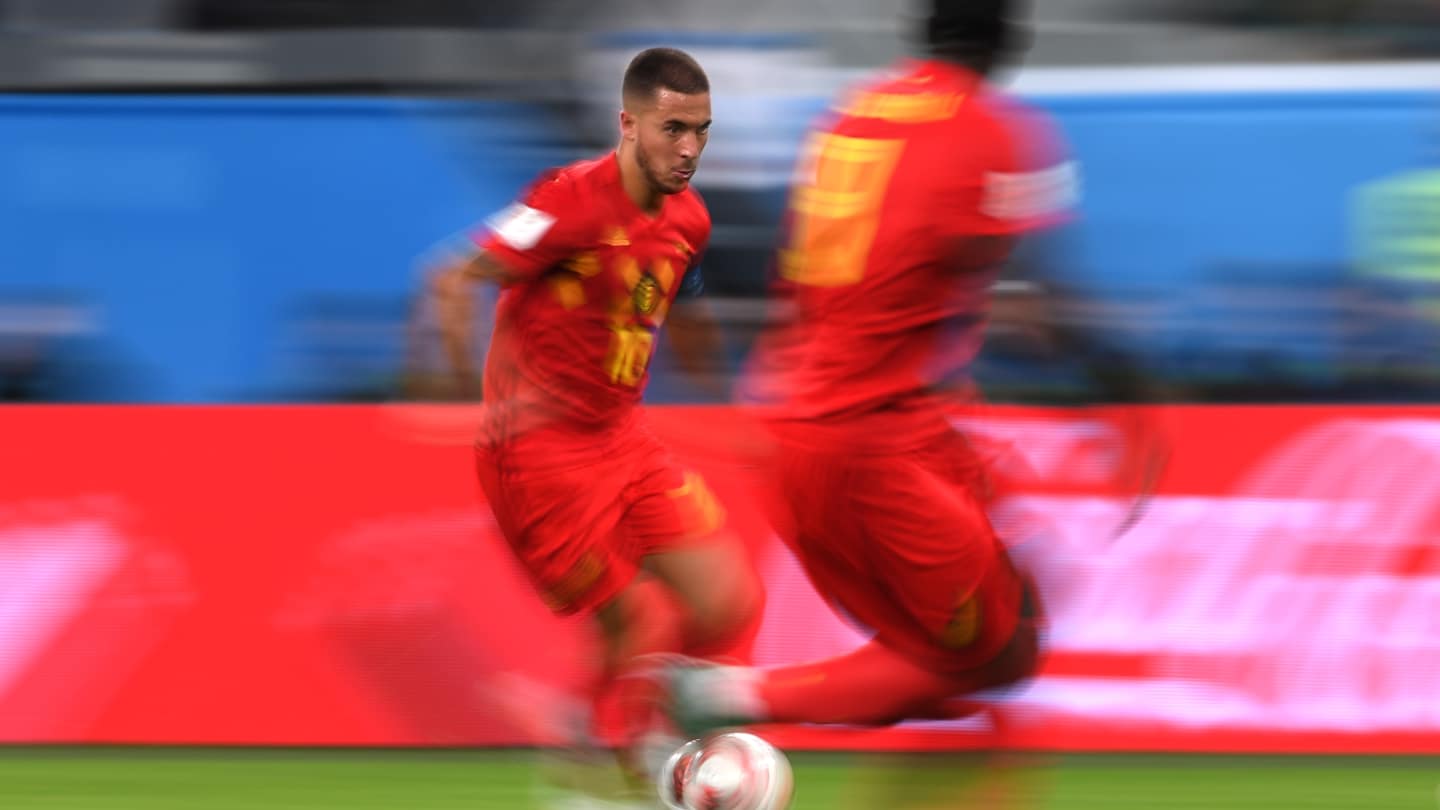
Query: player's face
{"points": [[669, 133]]}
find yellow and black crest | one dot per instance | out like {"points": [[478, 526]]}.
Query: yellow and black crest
{"points": [[646, 295], [964, 626]]}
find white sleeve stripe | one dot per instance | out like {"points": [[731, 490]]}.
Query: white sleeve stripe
{"points": [[520, 226], [1031, 195]]}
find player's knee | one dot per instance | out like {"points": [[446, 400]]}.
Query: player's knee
{"points": [[1019, 656], [1017, 662], [730, 614], [749, 599], [719, 588], [1024, 661]]}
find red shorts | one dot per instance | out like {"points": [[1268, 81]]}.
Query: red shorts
{"points": [[581, 508], [902, 544]]}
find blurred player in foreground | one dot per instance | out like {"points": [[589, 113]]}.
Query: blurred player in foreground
{"points": [[906, 205], [592, 260]]}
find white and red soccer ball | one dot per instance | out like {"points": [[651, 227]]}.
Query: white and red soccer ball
{"points": [[732, 771]]}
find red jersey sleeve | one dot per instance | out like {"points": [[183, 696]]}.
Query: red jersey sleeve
{"points": [[547, 225], [1016, 179]]}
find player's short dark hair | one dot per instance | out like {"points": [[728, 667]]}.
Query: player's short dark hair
{"points": [[659, 69], [975, 32]]}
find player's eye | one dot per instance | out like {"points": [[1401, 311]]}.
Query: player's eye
{"points": [[703, 131]]}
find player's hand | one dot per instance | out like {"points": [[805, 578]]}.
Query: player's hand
{"points": [[429, 386], [1143, 468]]}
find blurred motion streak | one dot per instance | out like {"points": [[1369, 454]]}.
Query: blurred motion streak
{"points": [[1281, 593]]}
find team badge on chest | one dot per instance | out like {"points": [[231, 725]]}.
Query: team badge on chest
{"points": [[646, 295]]}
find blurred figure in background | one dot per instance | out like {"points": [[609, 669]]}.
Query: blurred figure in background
{"points": [[54, 349], [592, 260], [1398, 257], [906, 206]]}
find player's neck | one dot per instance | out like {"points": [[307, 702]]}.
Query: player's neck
{"points": [[637, 187]]}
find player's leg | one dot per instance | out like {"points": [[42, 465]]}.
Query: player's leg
{"points": [[906, 550], [561, 524], [642, 619], [719, 593], [689, 588], [872, 685], [882, 682], [710, 593], [676, 526]]}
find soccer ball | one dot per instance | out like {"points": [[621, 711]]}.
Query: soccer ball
{"points": [[733, 771]]}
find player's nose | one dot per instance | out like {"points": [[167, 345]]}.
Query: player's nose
{"points": [[688, 147]]}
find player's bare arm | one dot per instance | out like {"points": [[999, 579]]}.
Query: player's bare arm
{"points": [[1032, 311], [695, 339], [452, 300]]}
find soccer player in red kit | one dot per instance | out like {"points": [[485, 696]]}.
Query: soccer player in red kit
{"points": [[592, 260], [906, 204]]}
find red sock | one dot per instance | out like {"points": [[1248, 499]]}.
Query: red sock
{"points": [[873, 685]]}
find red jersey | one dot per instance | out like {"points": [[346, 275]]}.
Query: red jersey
{"points": [[909, 165], [593, 278]]}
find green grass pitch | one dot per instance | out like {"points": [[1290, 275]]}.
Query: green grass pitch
{"points": [[60, 778]]}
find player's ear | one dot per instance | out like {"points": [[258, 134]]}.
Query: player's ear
{"points": [[629, 125]]}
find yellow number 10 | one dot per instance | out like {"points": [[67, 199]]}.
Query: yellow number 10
{"points": [[836, 207], [629, 354]]}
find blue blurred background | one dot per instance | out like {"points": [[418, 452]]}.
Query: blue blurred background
{"points": [[209, 201]]}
